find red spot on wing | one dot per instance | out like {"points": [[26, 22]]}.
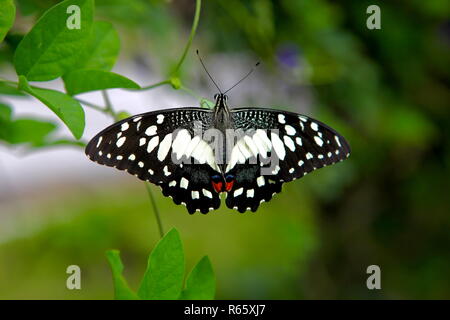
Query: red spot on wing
{"points": [[229, 185], [217, 186]]}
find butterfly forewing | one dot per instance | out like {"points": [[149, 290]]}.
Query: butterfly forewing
{"points": [[165, 148]]}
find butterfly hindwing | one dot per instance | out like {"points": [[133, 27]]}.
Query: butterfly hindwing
{"points": [[165, 148], [249, 192]]}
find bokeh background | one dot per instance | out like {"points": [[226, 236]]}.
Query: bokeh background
{"points": [[385, 90]]}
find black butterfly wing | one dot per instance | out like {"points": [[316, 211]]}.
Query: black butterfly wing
{"points": [[161, 147], [296, 145]]}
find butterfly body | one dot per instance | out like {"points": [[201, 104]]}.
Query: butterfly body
{"points": [[196, 154]]}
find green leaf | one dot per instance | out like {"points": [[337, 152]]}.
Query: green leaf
{"points": [[30, 131], [5, 112], [163, 278], [65, 107], [51, 49], [33, 132], [200, 284], [102, 48], [121, 289], [91, 80], [7, 16]]}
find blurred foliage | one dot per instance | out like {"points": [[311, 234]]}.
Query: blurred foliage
{"points": [[385, 90]]}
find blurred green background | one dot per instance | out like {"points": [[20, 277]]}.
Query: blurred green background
{"points": [[385, 90]]}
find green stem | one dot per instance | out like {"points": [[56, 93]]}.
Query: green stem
{"points": [[108, 109], [155, 209], [158, 84], [198, 5], [8, 81], [190, 92], [91, 105]]}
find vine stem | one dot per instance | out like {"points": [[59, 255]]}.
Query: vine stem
{"points": [[155, 209], [198, 5], [108, 105], [91, 105], [190, 92], [158, 84]]}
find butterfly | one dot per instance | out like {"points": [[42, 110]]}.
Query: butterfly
{"points": [[196, 154]]}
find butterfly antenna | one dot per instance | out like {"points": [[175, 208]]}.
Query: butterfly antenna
{"points": [[245, 77], [204, 67]]}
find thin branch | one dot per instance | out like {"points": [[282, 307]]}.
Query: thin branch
{"points": [[198, 5], [190, 92], [91, 105], [155, 209], [158, 84], [108, 108]]}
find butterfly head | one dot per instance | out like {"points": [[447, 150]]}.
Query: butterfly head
{"points": [[221, 99]]}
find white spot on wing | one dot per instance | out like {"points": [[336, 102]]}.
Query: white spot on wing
{"points": [[99, 141], [281, 118], [238, 192], [142, 141], [160, 119], [166, 171], [152, 144], [318, 141], [337, 141], [314, 126], [275, 171], [289, 130], [132, 157], [120, 142], [164, 147], [184, 183], [195, 195], [262, 148], [289, 143], [124, 126], [243, 148], [278, 146], [260, 181], [181, 142], [251, 144], [309, 155], [191, 146], [250, 193], [151, 131], [263, 135], [207, 193]]}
